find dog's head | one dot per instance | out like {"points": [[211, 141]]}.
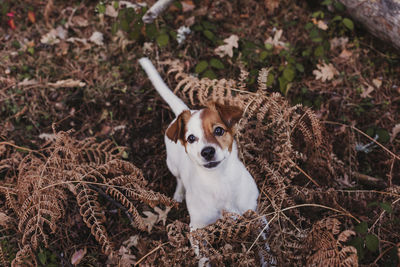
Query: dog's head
{"points": [[207, 134]]}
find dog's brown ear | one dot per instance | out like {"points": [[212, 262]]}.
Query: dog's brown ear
{"points": [[176, 131], [230, 115]]}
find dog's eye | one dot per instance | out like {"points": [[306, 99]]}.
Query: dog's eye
{"points": [[191, 138], [219, 131]]}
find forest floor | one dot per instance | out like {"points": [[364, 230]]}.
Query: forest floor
{"points": [[329, 181]]}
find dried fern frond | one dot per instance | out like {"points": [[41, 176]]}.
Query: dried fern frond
{"points": [[66, 166], [327, 245], [230, 240]]}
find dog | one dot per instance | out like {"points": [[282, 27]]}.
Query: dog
{"points": [[203, 156]]}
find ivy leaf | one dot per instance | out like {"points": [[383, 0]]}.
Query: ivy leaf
{"points": [[372, 242]]}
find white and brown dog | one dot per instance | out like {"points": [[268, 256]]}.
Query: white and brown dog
{"points": [[202, 154]]}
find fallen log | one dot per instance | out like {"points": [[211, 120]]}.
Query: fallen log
{"points": [[380, 17]]}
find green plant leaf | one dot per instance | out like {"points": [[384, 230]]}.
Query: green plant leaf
{"points": [[358, 243], [289, 73], [201, 66], [371, 242], [386, 206], [42, 257], [319, 51], [348, 23], [300, 67], [209, 35], [383, 134], [270, 79], [263, 55], [151, 31], [216, 63], [209, 74], [163, 40], [361, 228]]}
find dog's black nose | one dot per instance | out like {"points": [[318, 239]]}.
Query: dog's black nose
{"points": [[208, 152]]}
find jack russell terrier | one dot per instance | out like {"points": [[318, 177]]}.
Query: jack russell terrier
{"points": [[202, 154]]}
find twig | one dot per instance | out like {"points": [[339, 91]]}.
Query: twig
{"points": [[156, 10], [151, 252], [369, 180], [346, 213], [305, 174]]}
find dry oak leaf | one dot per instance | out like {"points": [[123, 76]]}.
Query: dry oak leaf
{"points": [[68, 83], [325, 72], [227, 49]]}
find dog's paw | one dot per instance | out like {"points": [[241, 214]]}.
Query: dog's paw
{"points": [[179, 196]]}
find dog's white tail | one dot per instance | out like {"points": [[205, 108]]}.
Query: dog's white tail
{"points": [[175, 103]]}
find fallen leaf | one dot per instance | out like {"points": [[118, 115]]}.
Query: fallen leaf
{"points": [[127, 259], [67, 83], [131, 241], [325, 72], [395, 132], [345, 54], [111, 11], [377, 83], [54, 36], [366, 92], [187, 6], [78, 256], [227, 49], [97, 38], [162, 214], [275, 42], [80, 21], [31, 16], [336, 42], [320, 24], [4, 219], [150, 220]]}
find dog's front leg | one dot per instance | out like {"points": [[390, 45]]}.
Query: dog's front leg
{"points": [[179, 194]]}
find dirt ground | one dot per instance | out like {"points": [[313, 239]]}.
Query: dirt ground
{"points": [[83, 178]]}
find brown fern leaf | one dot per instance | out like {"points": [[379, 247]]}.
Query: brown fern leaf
{"points": [[24, 257], [93, 215], [2, 257], [326, 245], [229, 241]]}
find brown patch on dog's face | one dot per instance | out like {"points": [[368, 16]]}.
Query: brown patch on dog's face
{"points": [[223, 116], [176, 131]]}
